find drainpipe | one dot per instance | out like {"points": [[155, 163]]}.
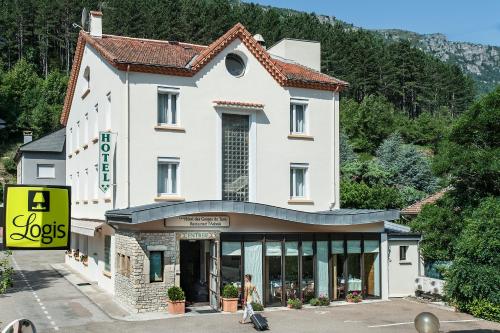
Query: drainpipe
{"points": [[127, 139]]}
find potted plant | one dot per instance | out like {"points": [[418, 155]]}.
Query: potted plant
{"points": [[84, 259], [230, 298], [256, 306], [354, 297], [176, 300], [294, 303]]}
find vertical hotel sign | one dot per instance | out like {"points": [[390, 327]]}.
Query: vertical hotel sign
{"points": [[106, 157], [37, 217]]}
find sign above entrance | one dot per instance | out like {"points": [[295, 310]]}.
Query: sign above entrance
{"points": [[106, 152], [198, 222], [36, 217]]}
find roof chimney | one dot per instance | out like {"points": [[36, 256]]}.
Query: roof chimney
{"points": [[260, 40], [27, 136], [96, 24]]}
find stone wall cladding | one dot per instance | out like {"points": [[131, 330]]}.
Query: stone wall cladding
{"points": [[135, 291]]}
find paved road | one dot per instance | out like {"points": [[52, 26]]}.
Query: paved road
{"points": [[56, 306], [45, 297]]}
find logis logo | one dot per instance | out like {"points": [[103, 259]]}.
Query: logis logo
{"points": [[38, 201]]}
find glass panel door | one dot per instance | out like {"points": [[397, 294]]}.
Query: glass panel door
{"points": [[322, 267], [253, 264], [214, 287], [231, 265], [354, 266], [274, 288], [292, 270], [371, 281], [307, 283], [338, 278]]}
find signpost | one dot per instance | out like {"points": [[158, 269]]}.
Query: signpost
{"points": [[106, 157], [37, 217]]}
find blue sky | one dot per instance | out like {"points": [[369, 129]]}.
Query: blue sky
{"points": [[471, 21]]}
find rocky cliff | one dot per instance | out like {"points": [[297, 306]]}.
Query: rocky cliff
{"points": [[481, 62]]}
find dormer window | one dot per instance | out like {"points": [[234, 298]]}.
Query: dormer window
{"points": [[235, 65]]}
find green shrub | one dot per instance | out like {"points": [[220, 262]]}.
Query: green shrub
{"points": [[314, 301], [10, 165], [320, 301], [175, 294], [295, 303], [482, 308], [473, 279], [323, 301], [257, 306], [230, 291]]}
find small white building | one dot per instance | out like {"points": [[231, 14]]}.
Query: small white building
{"points": [[226, 162]]}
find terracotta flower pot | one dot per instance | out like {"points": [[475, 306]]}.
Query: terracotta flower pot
{"points": [[176, 307], [229, 304]]}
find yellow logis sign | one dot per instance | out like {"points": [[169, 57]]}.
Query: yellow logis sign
{"points": [[37, 217]]}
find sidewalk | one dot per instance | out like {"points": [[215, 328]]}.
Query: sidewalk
{"points": [[116, 311]]}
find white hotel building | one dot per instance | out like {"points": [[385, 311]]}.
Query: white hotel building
{"points": [[226, 162]]}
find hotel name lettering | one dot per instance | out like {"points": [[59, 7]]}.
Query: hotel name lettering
{"points": [[106, 150], [199, 222]]}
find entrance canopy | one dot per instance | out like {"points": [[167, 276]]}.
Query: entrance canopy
{"points": [[163, 210]]}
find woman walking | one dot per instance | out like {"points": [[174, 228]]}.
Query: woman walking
{"points": [[248, 298]]}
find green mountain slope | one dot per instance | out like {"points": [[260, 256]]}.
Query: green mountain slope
{"points": [[481, 62]]}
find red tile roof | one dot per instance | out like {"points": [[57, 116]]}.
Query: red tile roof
{"points": [[416, 208], [239, 104], [183, 59]]}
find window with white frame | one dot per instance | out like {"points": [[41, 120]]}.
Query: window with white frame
{"points": [[95, 188], [168, 176], [45, 171], [77, 135], [96, 121], [298, 180], [69, 146], [85, 128], [298, 117], [167, 106], [107, 113], [77, 187], [86, 185]]}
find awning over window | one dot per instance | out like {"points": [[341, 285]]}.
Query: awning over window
{"points": [[85, 227], [164, 210]]}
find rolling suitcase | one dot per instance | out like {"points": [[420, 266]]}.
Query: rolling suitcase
{"points": [[259, 322]]}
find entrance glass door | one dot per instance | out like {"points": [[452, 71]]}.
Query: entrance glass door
{"points": [[274, 287], [213, 288]]}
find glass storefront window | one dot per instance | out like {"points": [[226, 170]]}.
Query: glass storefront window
{"points": [[371, 280], [338, 279], [274, 290], [322, 267], [354, 265], [253, 264], [307, 286], [292, 270], [231, 264]]}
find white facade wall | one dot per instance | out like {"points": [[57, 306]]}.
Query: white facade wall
{"points": [[199, 147], [402, 274], [81, 131], [134, 103]]}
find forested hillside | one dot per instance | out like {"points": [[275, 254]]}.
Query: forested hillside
{"points": [[394, 87], [481, 62]]}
